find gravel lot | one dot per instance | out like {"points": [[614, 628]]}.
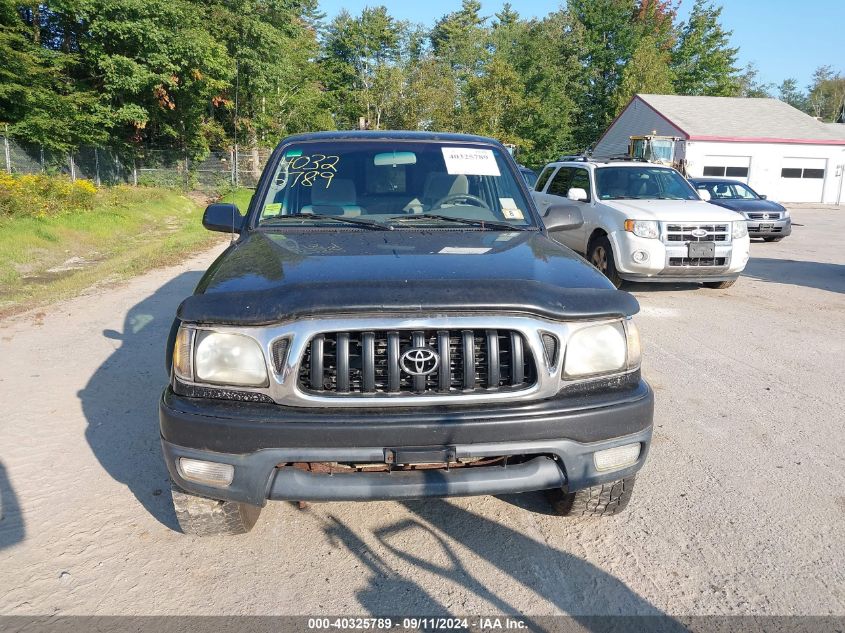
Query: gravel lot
{"points": [[740, 509]]}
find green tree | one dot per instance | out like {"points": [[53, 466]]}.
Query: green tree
{"points": [[826, 100], [750, 84], [461, 40], [39, 99], [609, 41], [790, 93], [648, 72], [703, 61], [362, 57]]}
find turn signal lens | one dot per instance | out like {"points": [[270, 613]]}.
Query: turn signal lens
{"points": [[182, 354], [632, 336]]}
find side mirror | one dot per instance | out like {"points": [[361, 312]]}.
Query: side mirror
{"points": [[763, 197], [577, 195], [224, 217], [704, 195], [562, 217]]}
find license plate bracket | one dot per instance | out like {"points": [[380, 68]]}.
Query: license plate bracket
{"points": [[420, 455], [702, 250], [765, 227]]}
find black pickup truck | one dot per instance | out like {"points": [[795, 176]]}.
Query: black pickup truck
{"points": [[392, 321]]}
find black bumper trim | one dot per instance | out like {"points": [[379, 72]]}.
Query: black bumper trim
{"points": [[241, 427]]}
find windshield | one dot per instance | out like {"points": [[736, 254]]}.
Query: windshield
{"points": [[728, 190], [394, 184], [642, 183]]}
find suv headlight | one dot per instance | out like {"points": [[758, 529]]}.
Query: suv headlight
{"points": [[740, 229], [602, 349], [219, 358], [643, 228]]}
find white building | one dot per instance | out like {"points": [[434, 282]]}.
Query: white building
{"points": [[778, 150]]}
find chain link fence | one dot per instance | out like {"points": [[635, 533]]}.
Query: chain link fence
{"points": [[218, 171]]}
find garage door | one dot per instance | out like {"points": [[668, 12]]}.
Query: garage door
{"points": [[733, 167], [802, 179]]}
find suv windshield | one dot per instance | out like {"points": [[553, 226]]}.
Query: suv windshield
{"points": [[642, 183], [394, 184]]}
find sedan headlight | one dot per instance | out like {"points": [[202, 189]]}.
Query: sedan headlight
{"points": [[740, 229], [785, 214], [643, 228], [602, 349], [219, 358]]}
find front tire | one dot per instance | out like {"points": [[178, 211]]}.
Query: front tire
{"points": [[599, 501], [600, 255], [719, 285], [202, 516]]}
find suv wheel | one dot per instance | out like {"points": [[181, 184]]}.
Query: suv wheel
{"points": [[601, 256], [598, 501], [201, 516], [719, 285]]}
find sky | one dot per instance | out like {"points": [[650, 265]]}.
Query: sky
{"points": [[772, 34]]}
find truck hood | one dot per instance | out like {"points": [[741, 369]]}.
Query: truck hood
{"points": [[266, 277], [672, 210]]}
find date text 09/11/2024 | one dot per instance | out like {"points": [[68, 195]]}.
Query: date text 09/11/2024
{"points": [[416, 624]]}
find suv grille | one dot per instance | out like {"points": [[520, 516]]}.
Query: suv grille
{"points": [[683, 232], [771, 215], [369, 363]]}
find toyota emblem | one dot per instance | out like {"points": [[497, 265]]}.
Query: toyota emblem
{"points": [[419, 361]]}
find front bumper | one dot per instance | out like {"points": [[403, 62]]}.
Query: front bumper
{"points": [[556, 440], [773, 228], [659, 266]]}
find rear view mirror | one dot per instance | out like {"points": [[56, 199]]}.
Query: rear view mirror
{"points": [[392, 159], [763, 197], [224, 217], [561, 217], [704, 195], [577, 195]]}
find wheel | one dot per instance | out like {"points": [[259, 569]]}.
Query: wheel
{"points": [[772, 239], [719, 285], [598, 501], [601, 256], [202, 516]]}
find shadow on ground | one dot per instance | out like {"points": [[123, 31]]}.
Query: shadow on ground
{"points": [[12, 528], [120, 401], [439, 529], [821, 275]]}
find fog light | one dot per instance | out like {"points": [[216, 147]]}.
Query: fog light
{"points": [[640, 256], [211, 473], [617, 457]]}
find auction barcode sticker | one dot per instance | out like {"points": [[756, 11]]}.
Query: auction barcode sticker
{"points": [[470, 162]]}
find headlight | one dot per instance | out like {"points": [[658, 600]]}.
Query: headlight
{"points": [[785, 214], [643, 228], [602, 349], [740, 229], [228, 359]]}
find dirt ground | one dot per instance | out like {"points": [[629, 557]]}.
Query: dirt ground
{"points": [[739, 510]]}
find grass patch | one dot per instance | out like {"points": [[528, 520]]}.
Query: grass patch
{"points": [[125, 231], [241, 198]]}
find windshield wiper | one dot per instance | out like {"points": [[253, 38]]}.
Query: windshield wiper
{"points": [[373, 226], [493, 224]]}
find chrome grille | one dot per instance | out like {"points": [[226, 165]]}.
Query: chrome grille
{"points": [[683, 232], [368, 363], [771, 215]]}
